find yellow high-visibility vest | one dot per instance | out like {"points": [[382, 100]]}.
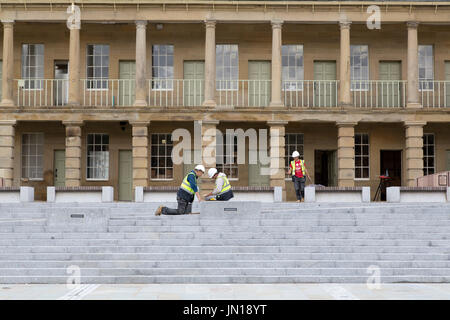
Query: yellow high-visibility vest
{"points": [[186, 185], [302, 164], [226, 186]]}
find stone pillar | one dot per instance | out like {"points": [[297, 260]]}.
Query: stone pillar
{"points": [[414, 151], [209, 142], [8, 64], [277, 144], [140, 153], [276, 64], [344, 65], [141, 65], [210, 64], [413, 66], [74, 65], [7, 135], [346, 154], [73, 153]]}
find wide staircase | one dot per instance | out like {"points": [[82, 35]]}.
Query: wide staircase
{"points": [[286, 243]]}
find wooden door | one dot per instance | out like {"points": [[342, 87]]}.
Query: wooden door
{"points": [[193, 84], [259, 89], [324, 87]]}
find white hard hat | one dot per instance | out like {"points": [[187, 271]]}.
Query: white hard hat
{"points": [[212, 172], [295, 154], [200, 167]]}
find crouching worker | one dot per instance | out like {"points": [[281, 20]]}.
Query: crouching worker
{"points": [[222, 191], [185, 194]]}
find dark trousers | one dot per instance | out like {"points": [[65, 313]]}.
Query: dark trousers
{"points": [[184, 207], [299, 186]]}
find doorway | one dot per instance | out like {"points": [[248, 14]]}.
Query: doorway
{"points": [[125, 175], [391, 165], [259, 91], [324, 85], [193, 89], [325, 165], [389, 90], [127, 78], [59, 170], [61, 87]]}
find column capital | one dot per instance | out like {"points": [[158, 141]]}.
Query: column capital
{"points": [[8, 122], [345, 24], [414, 123], [138, 123], [7, 22], [412, 24], [346, 123], [141, 24], [210, 23], [210, 122], [276, 23], [73, 123], [280, 123]]}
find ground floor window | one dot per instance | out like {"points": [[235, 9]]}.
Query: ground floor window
{"points": [[226, 157], [161, 156], [362, 156], [428, 153], [293, 142], [32, 155], [97, 165]]}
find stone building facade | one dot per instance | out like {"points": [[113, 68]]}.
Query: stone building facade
{"points": [[95, 102]]}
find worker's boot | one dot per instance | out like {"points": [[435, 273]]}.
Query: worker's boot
{"points": [[159, 210]]}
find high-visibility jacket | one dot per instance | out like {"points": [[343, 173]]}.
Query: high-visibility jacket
{"points": [[302, 164], [226, 185], [186, 185]]}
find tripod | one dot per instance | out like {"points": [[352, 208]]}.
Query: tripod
{"points": [[381, 187]]}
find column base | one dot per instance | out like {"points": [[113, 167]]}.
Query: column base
{"points": [[73, 104], [209, 104], [414, 105], [7, 103], [345, 104], [140, 103], [276, 104]]}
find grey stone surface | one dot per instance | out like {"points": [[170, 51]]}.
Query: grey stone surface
{"points": [[229, 208], [75, 220], [26, 194], [310, 194], [393, 194], [365, 197], [278, 194], [448, 194], [51, 194], [107, 194], [139, 194]]}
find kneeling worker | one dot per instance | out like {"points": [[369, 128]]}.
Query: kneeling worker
{"points": [[185, 194], [223, 191]]}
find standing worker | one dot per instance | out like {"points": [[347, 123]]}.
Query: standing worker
{"points": [[298, 171], [186, 193], [223, 191]]}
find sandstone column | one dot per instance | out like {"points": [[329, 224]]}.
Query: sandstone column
{"points": [[276, 64], [413, 66], [346, 154], [209, 142], [344, 63], [141, 65], [74, 65], [8, 64], [7, 134], [210, 64], [140, 153], [73, 153], [414, 151], [277, 144]]}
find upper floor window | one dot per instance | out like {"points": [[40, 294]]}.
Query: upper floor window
{"points": [[359, 64], [428, 153], [32, 155], [227, 67], [161, 156], [426, 67], [292, 67], [162, 67], [97, 64], [362, 156], [33, 65], [97, 164], [293, 142]]}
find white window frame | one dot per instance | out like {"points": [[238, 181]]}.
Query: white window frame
{"points": [[426, 144], [29, 155], [221, 151], [289, 148], [286, 57], [101, 66], [87, 155], [426, 67], [221, 65], [362, 156], [26, 59], [363, 82], [169, 80], [169, 143]]}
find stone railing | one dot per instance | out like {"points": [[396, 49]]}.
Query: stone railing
{"points": [[418, 194], [16, 194], [80, 194], [337, 194]]}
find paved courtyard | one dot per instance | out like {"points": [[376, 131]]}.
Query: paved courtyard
{"points": [[227, 292]]}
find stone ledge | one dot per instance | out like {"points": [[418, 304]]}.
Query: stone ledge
{"points": [[9, 189], [78, 189], [423, 189], [338, 189]]}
